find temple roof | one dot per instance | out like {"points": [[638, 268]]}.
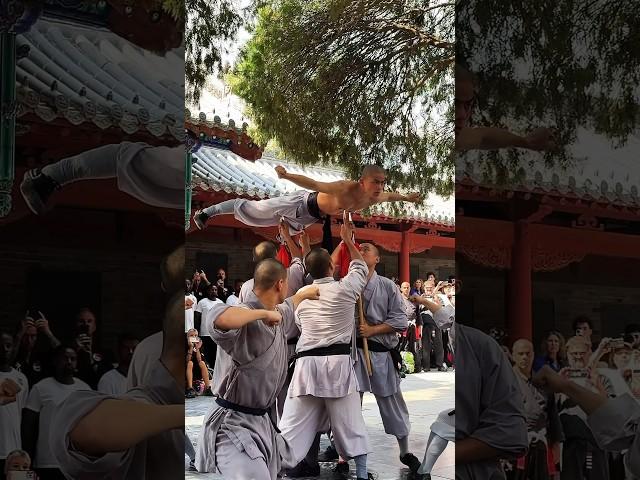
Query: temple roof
{"points": [[221, 170], [86, 74], [598, 173]]}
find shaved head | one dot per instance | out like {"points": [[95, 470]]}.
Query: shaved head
{"points": [[267, 273], [370, 254], [264, 250], [172, 271], [318, 263], [522, 344], [371, 170]]}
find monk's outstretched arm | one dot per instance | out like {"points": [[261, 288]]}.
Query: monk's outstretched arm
{"points": [[330, 188]]}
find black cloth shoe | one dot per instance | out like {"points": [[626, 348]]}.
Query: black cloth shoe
{"points": [[369, 477], [329, 455], [36, 188], [190, 393], [192, 466], [422, 476], [200, 219], [208, 392], [341, 471], [303, 469], [411, 461]]}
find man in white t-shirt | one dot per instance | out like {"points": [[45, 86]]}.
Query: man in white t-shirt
{"points": [[234, 298], [114, 382], [202, 313], [10, 414], [43, 400], [190, 302]]}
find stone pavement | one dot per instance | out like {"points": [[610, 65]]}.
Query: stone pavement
{"points": [[426, 395]]}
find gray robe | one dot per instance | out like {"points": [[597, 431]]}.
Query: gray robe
{"points": [[252, 373], [160, 457], [616, 427], [267, 212], [382, 303], [489, 404]]}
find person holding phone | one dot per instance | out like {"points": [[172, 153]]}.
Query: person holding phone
{"points": [[93, 360], [18, 466], [33, 343], [11, 412], [194, 357]]}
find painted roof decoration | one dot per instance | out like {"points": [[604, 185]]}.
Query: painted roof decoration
{"points": [[221, 170], [84, 74], [599, 173]]}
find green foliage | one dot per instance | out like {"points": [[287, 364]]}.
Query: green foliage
{"points": [[565, 64], [211, 25], [350, 82]]}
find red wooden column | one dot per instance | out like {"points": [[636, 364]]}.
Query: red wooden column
{"points": [[404, 269], [519, 288]]}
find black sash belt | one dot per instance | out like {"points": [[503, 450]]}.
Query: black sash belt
{"points": [[337, 349], [312, 205], [378, 347], [258, 412]]}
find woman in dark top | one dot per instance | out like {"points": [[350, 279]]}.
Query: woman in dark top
{"points": [[552, 352]]}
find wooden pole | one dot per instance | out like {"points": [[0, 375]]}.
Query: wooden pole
{"points": [[365, 344]]}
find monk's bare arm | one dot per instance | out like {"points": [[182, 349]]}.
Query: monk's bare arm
{"points": [[331, 188], [399, 197]]}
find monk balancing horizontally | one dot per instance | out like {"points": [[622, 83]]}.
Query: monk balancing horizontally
{"points": [[303, 208]]}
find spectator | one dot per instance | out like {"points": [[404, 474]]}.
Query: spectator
{"points": [[93, 361], [431, 276], [190, 302], [552, 352], [234, 298], [17, 461], [200, 284], [413, 331], [114, 382], [417, 288], [223, 288], [32, 345], [431, 334], [543, 424], [11, 413], [194, 344], [202, 320], [632, 331], [582, 327], [43, 400], [581, 456]]}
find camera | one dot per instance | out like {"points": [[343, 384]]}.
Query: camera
{"points": [[21, 475]]}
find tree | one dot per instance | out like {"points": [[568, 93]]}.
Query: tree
{"points": [[350, 82], [566, 64]]}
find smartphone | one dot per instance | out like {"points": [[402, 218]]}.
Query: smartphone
{"points": [[83, 329], [617, 343], [193, 340], [22, 475], [577, 373]]}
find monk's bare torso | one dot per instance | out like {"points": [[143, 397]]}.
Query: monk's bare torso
{"points": [[351, 198]]}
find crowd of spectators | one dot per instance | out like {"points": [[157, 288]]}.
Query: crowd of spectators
{"points": [[48, 367]]}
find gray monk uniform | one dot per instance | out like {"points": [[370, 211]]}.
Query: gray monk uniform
{"points": [[160, 457], [239, 445], [324, 387], [295, 277], [489, 404], [382, 302], [268, 212], [616, 427]]}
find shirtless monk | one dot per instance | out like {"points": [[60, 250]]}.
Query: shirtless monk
{"points": [[303, 208]]}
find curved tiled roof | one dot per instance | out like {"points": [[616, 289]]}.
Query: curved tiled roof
{"points": [[92, 75], [224, 171], [598, 173]]}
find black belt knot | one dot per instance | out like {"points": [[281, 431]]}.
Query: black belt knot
{"points": [[378, 347]]}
